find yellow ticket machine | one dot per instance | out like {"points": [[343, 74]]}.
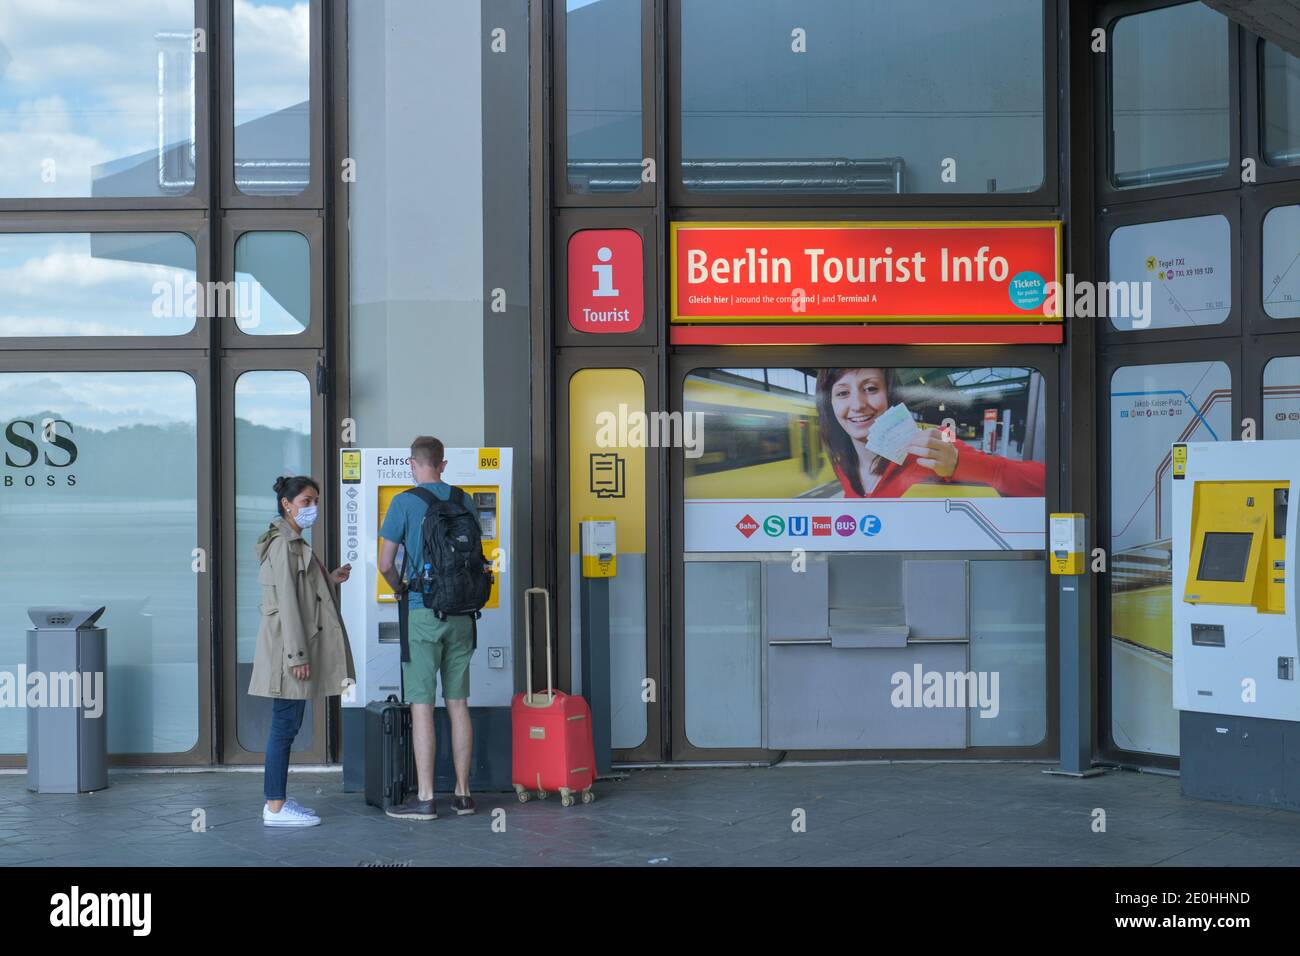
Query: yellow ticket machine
{"points": [[1234, 609], [370, 478]]}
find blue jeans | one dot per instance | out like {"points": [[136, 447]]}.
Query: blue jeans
{"points": [[286, 719]]}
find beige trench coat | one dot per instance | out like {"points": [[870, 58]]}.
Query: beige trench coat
{"points": [[300, 622]]}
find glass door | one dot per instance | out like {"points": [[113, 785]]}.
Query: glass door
{"points": [[272, 424]]}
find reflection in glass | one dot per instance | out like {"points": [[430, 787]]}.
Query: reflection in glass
{"points": [[272, 96], [273, 272], [1151, 407], [272, 438], [1280, 103], [832, 96], [98, 479], [724, 663], [100, 104], [103, 283], [1169, 119], [603, 95]]}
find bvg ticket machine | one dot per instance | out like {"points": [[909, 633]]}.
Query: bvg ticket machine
{"points": [[1235, 639], [369, 479]]}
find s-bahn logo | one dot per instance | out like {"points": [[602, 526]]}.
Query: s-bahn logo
{"points": [[28, 443], [798, 526]]}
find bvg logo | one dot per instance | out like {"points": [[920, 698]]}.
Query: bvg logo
{"points": [[29, 442]]}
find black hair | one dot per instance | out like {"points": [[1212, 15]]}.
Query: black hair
{"points": [[844, 456], [291, 487]]}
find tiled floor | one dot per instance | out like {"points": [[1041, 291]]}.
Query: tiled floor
{"points": [[872, 814]]}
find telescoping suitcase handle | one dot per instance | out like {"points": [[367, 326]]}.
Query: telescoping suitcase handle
{"points": [[528, 642]]}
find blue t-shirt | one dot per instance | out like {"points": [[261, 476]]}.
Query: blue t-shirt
{"points": [[403, 522]]}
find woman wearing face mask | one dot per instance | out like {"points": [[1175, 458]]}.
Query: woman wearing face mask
{"points": [[302, 648], [849, 400]]}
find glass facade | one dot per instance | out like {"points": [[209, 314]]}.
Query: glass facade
{"points": [[1280, 105], [832, 96], [1169, 123], [272, 96], [603, 95], [99, 482], [98, 105]]}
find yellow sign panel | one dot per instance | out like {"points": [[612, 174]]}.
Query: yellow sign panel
{"points": [[350, 468], [1180, 461], [489, 459], [606, 470]]}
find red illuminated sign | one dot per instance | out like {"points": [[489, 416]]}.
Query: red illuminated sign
{"points": [[854, 272], [606, 280]]}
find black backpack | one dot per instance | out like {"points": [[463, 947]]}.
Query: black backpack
{"points": [[454, 577]]}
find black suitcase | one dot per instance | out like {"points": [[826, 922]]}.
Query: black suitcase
{"points": [[390, 757]]}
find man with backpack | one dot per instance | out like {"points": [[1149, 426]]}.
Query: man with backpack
{"points": [[443, 581]]}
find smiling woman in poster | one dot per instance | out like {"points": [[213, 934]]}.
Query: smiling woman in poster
{"points": [[849, 402]]}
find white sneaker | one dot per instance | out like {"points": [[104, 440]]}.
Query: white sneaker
{"points": [[291, 802], [289, 816]]}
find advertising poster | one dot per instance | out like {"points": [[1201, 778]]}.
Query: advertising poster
{"points": [[865, 459], [1151, 407]]}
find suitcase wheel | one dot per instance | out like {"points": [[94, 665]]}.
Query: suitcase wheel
{"points": [[541, 794], [566, 800], [521, 793], [588, 796]]}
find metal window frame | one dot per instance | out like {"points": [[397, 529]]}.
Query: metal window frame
{"points": [[645, 194], [1043, 359], [1224, 204], [1107, 194], [1257, 202], [1109, 361], [233, 366], [1047, 193], [311, 197], [1253, 122], [311, 227], [1256, 356], [195, 364], [197, 198], [191, 224]]}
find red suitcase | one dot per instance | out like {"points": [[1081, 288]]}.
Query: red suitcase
{"points": [[550, 731]]}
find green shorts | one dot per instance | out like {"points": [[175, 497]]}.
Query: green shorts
{"points": [[438, 646]]}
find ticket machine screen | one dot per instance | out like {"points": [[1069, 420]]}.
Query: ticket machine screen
{"points": [[1224, 556]]}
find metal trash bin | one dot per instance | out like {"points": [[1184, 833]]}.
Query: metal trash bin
{"points": [[66, 696]]}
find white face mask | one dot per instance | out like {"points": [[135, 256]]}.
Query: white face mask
{"points": [[306, 517]]}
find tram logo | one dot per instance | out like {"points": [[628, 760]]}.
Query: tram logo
{"points": [[821, 525]]}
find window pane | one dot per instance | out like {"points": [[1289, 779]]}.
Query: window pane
{"points": [[1169, 119], [99, 104], [724, 654], [1151, 407], [603, 95], [831, 96], [272, 438], [272, 96], [1168, 274], [273, 283], [103, 283], [1282, 397], [1008, 637], [1281, 263], [98, 481], [1280, 103]]}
